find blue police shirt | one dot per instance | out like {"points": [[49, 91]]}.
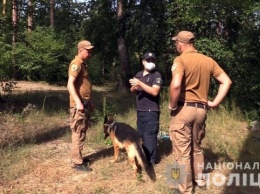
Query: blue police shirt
{"points": [[145, 101]]}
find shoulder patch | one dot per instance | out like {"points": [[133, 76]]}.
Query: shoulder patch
{"points": [[158, 80], [174, 67], [74, 67]]}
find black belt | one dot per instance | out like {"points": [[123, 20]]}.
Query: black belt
{"points": [[193, 104]]}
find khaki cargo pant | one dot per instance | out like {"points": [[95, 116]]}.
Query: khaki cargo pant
{"points": [[187, 129], [78, 126]]}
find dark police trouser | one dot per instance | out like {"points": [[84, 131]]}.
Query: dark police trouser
{"points": [[148, 128]]}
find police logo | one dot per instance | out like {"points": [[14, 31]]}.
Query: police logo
{"points": [[175, 173], [158, 80], [74, 68], [174, 67]]}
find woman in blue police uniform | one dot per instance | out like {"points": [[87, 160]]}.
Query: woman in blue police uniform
{"points": [[147, 85]]}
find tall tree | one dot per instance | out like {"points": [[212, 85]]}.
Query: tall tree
{"points": [[14, 20], [30, 15], [52, 7], [122, 48], [4, 7], [14, 24]]}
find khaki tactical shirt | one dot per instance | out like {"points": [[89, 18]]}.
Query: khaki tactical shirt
{"points": [[83, 86], [197, 70]]}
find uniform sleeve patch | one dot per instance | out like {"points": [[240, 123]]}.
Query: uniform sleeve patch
{"points": [[74, 67], [174, 67], [159, 81]]}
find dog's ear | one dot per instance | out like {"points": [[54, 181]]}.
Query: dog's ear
{"points": [[109, 118]]}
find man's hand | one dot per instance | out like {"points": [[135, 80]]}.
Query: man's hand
{"points": [[171, 108], [212, 104], [79, 106]]}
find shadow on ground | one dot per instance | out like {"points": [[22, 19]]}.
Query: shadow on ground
{"points": [[41, 137], [56, 101], [246, 177], [164, 148], [107, 152]]}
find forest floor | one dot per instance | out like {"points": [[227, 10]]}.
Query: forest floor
{"points": [[49, 167]]}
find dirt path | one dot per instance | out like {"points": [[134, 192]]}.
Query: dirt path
{"points": [[33, 86]]}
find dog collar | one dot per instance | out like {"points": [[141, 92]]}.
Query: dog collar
{"points": [[110, 126]]}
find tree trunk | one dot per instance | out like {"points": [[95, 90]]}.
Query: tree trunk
{"points": [[14, 24], [30, 15], [122, 49], [52, 3], [14, 20], [4, 7]]}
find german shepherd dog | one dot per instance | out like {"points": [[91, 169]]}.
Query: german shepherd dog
{"points": [[125, 137]]}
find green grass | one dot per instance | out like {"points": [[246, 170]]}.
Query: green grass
{"points": [[15, 161], [227, 137]]}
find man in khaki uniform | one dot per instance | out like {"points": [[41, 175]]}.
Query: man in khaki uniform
{"points": [[79, 87], [191, 74]]}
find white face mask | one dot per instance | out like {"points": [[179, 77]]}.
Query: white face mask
{"points": [[149, 66]]}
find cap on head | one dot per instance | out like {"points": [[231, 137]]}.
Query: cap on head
{"points": [[149, 55], [85, 44], [184, 37]]}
